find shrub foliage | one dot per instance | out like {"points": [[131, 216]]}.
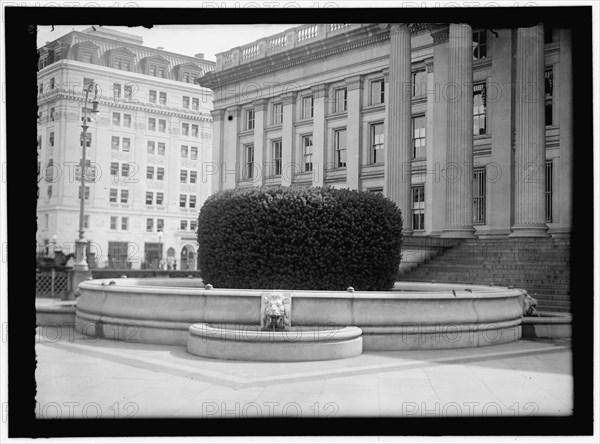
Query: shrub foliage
{"points": [[291, 238]]}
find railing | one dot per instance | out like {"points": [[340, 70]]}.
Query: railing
{"points": [[283, 41], [105, 273], [51, 284]]}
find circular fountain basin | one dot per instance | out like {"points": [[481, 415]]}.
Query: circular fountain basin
{"points": [[250, 343], [411, 316]]}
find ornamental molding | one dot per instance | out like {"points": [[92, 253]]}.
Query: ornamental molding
{"points": [[429, 65], [440, 37]]}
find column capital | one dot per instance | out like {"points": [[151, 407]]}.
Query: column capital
{"points": [[320, 90], [354, 82], [399, 27], [441, 36], [429, 64], [386, 74], [217, 114], [234, 111], [259, 105], [289, 97]]}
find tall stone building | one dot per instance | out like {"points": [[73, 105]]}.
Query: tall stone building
{"points": [[144, 152], [468, 130]]}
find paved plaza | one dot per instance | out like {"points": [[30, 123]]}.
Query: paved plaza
{"points": [[88, 377]]}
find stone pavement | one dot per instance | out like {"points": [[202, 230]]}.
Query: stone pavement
{"points": [[86, 377]]}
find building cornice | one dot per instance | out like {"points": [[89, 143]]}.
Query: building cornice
{"points": [[358, 38]]}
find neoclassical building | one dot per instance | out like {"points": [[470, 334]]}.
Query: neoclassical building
{"points": [[144, 152], [468, 130]]}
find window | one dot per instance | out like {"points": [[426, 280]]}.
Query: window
{"points": [[90, 173], [185, 102], [50, 170], [193, 176], [113, 222], [185, 129], [479, 194], [52, 110], [184, 152], [52, 83], [160, 173], [87, 193], [149, 197], [127, 120], [152, 96], [193, 225], [153, 70], [419, 83], [126, 65], [192, 201], [277, 158], [377, 143], [51, 139], [186, 77], [116, 119], [128, 92], [151, 124], [114, 168], [549, 189], [339, 143], [307, 107], [88, 140], [479, 44], [249, 119], [548, 87], [277, 113], [125, 170], [194, 153], [341, 100], [151, 147], [115, 143], [248, 162], [117, 63], [113, 195], [126, 144], [307, 152], [162, 125], [418, 138], [41, 89], [418, 208], [162, 98], [182, 200], [124, 223], [159, 198], [161, 148], [183, 225], [479, 109], [117, 91], [183, 176], [49, 191], [124, 196], [195, 104], [160, 224], [377, 91], [194, 130], [161, 72], [87, 56], [150, 172], [149, 225]]}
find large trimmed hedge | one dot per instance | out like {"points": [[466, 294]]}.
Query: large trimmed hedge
{"points": [[291, 238]]}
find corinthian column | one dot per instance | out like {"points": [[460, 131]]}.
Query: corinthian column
{"points": [[398, 140], [459, 145], [530, 127]]}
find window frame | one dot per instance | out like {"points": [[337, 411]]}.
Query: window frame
{"points": [[372, 151], [337, 164]]}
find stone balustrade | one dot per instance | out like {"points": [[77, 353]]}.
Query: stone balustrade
{"points": [[283, 41]]}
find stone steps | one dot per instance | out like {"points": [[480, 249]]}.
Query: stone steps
{"points": [[540, 266]]}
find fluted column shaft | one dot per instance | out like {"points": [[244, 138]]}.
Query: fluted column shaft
{"points": [[212, 171], [530, 127], [459, 145], [398, 140]]}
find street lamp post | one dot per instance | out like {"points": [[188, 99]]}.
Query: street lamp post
{"points": [[160, 235], [80, 270], [80, 260]]}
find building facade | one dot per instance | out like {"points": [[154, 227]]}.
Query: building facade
{"points": [[468, 130], [143, 152]]}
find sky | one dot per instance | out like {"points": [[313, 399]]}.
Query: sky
{"points": [[182, 39]]}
